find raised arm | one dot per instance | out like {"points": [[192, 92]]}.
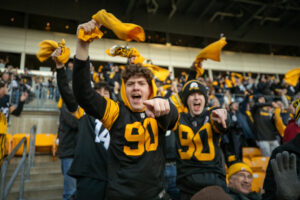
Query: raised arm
{"points": [[62, 83], [93, 103]]}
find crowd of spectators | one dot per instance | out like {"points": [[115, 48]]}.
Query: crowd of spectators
{"points": [[239, 93]]}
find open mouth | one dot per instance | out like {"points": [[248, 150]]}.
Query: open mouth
{"points": [[197, 106], [136, 97]]}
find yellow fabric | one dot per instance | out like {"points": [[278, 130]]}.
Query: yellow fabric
{"points": [[59, 103], [124, 96], [47, 47], [95, 34], [2, 147], [212, 51], [122, 51], [278, 122], [96, 78], [231, 158], [178, 103], [199, 72], [292, 76], [237, 167], [111, 114], [236, 75], [165, 87], [159, 72], [78, 113], [3, 124], [123, 31], [250, 115], [228, 83], [111, 75], [139, 59]]}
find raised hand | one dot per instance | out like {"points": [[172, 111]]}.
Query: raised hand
{"points": [[220, 116], [55, 54], [157, 107], [23, 96], [285, 174]]}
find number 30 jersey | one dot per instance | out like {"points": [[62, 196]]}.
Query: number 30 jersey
{"points": [[198, 148]]}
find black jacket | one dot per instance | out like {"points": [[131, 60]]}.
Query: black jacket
{"points": [[67, 131], [235, 195], [292, 146]]}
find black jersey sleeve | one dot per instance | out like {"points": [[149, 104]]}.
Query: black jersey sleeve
{"points": [[93, 103], [106, 110], [65, 90], [19, 109]]}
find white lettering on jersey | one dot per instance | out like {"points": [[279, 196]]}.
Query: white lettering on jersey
{"points": [[103, 136]]}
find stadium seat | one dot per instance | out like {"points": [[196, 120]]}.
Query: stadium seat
{"points": [[46, 142], [251, 152], [16, 138], [258, 181], [260, 163], [9, 144], [247, 161]]}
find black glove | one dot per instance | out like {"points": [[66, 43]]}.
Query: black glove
{"points": [[285, 174]]}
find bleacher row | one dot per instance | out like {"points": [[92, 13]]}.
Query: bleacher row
{"points": [[44, 142], [47, 143]]}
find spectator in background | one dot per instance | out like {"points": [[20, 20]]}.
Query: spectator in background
{"points": [[264, 125], [170, 169], [240, 182], [69, 70], [50, 87]]}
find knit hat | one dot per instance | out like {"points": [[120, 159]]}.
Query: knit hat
{"points": [[237, 167], [191, 87], [211, 193]]}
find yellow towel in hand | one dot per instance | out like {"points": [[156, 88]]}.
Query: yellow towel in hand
{"points": [[212, 51], [49, 46], [95, 34], [124, 31], [159, 72]]}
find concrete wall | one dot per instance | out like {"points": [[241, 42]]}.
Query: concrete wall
{"points": [[45, 121], [24, 41]]}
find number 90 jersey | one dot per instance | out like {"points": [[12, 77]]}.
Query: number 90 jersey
{"points": [[136, 158], [198, 151]]}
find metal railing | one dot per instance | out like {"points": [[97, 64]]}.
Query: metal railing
{"points": [[31, 154], [4, 190]]}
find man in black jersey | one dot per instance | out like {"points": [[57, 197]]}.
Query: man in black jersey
{"points": [[199, 159], [137, 125], [90, 155]]}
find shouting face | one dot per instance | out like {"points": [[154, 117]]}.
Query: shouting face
{"points": [[196, 103], [137, 91]]}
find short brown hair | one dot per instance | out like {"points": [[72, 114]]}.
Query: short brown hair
{"points": [[137, 70]]}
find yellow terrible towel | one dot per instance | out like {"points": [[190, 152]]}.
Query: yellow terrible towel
{"points": [[49, 46], [124, 31], [95, 34]]}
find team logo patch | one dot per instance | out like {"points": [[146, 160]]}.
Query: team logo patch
{"points": [[194, 85]]}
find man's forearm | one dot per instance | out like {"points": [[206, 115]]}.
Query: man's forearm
{"points": [[82, 50]]}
